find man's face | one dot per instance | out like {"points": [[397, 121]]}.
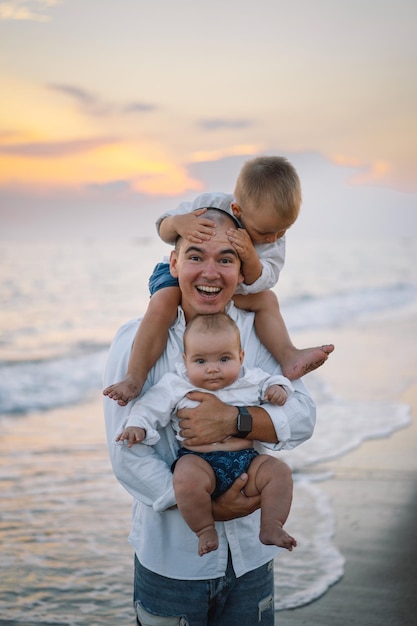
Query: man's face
{"points": [[208, 273]]}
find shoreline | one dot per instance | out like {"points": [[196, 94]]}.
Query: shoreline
{"points": [[373, 488]]}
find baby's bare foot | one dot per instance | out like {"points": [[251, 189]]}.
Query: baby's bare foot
{"points": [[124, 391], [306, 360], [276, 536], [207, 540]]}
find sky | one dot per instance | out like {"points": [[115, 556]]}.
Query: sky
{"points": [[113, 111]]}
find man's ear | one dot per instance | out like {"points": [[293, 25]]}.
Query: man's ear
{"points": [[173, 263], [237, 211]]}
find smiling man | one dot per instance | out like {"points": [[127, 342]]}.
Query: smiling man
{"points": [[207, 273], [173, 585]]}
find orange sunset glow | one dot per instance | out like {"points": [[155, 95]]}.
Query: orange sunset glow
{"points": [[104, 97]]}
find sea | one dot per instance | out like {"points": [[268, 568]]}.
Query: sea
{"points": [[64, 519]]}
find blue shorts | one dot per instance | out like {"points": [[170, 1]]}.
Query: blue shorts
{"points": [[161, 277], [227, 466]]}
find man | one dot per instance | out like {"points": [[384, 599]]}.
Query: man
{"points": [[234, 584]]}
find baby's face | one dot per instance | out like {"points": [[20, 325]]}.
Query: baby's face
{"points": [[262, 224], [213, 360]]}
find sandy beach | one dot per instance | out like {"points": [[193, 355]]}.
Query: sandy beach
{"points": [[373, 491]]}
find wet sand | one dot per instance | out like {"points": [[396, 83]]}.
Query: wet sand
{"points": [[374, 488]]}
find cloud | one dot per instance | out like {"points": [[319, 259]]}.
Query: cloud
{"points": [[49, 149], [84, 163], [139, 107], [219, 124], [30, 10], [93, 105], [102, 206]]}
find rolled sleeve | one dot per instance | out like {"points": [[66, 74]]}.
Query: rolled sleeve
{"points": [[294, 422]]}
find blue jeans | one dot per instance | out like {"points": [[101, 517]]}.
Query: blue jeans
{"points": [[226, 601]]}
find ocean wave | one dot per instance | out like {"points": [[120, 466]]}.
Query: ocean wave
{"points": [[44, 384], [68, 378], [306, 311], [343, 425]]}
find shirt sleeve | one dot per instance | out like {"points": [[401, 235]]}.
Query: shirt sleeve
{"points": [[144, 471], [153, 410], [272, 259], [277, 379], [294, 422]]}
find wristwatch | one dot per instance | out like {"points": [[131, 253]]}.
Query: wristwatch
{"points": [[244, 422]]}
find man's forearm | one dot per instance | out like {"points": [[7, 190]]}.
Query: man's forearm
{"points": [[262, 426]]}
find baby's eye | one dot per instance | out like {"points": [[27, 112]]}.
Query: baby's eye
{"points": [[224, 359], [200, 361]]}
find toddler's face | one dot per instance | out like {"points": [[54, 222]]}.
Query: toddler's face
{"points": [[213, 360], [262, 224]]}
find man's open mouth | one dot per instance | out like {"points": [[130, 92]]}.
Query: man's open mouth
{"points": [[207, 290]]}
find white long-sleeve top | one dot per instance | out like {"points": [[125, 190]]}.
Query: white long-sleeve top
{"points": [[162, 540], [271, 255], [159, 405]]}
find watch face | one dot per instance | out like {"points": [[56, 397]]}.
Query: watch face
{"points": [[244, 421]]}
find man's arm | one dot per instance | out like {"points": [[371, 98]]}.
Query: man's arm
{"points": [[212, 420]]}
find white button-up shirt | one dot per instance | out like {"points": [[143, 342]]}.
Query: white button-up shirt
{"points": [[162, 540]]}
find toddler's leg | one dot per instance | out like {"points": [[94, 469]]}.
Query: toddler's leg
{"points": [[273, 480], [150, 341], [272, 331], [194, 482]]}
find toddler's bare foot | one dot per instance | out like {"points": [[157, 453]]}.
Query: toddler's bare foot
{"points": [[124, 391], [207, 540], [276, 536], [306, 360]]}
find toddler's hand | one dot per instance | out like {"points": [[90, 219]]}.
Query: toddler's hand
{"points": [[242, 243], [193, 227]]}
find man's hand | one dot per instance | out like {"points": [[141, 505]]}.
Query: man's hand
{"points": [[233, 503], [210, 421]]}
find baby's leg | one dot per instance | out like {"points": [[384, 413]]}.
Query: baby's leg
{"points": [[150, 341], [194, 482], [272, 331], [273, 480]]}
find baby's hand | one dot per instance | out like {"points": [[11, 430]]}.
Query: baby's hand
{"points": [[132, 434], [276, 395], [193, 227]]}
